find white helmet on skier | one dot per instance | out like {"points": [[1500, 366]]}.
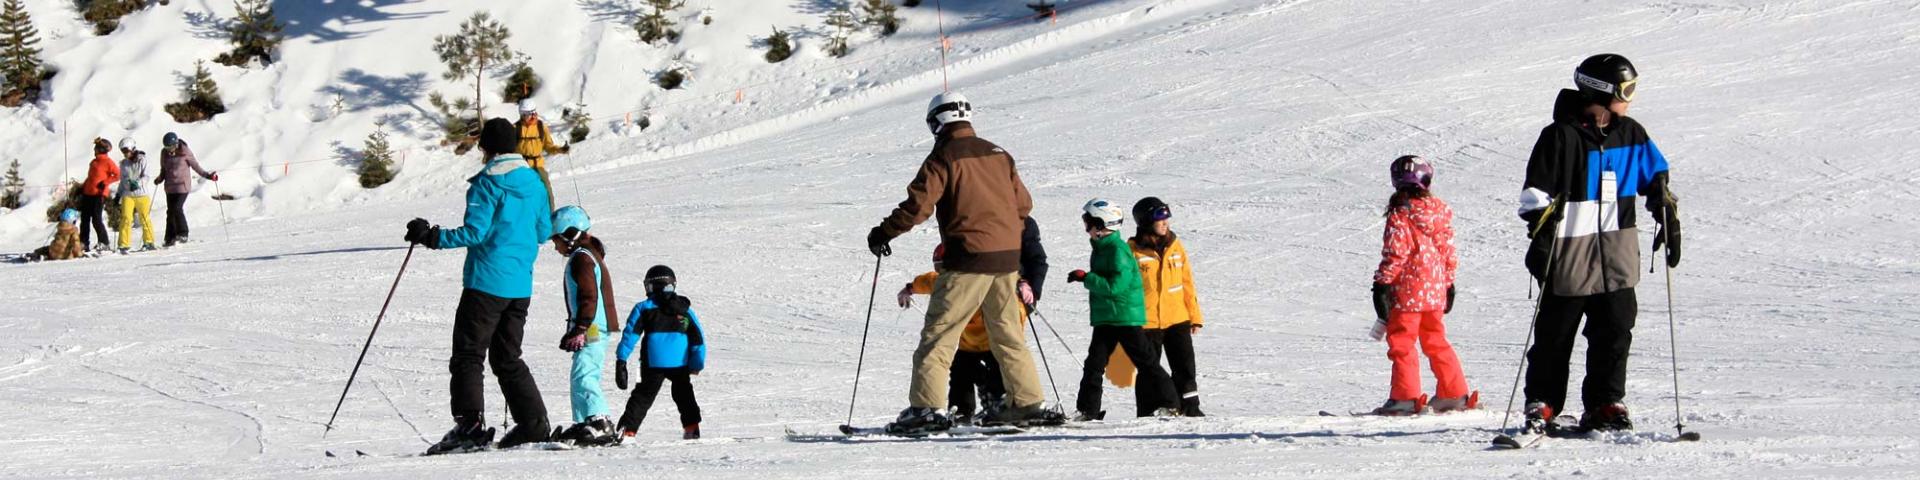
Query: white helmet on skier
{"points": [[948, 107], [527, 107], [1101, 213], [126, 143]]}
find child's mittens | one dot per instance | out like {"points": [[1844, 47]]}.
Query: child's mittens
{"points": [[1382, 299], [1076, 276], [906, 296], [620, 374]]}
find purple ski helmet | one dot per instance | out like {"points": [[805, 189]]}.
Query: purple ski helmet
{"points": [[1411, 171]]}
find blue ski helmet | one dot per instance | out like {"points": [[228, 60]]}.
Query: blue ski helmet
{"points": [[70, 216], [170, 140], [569, 221]]}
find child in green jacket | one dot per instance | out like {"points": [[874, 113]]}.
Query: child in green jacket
{"points": [[1117, 311]]}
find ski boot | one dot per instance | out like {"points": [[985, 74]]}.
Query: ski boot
{"points": [[1190, 406], [148, 247], [1449, 405], [596, 431], [1084, 417], [1166, 412], [960, 418], [690, 431], [919, 420], [1540, 420], [1402, 408], [1609, 418], [468, 435], [1036, 415], [526, 433]]}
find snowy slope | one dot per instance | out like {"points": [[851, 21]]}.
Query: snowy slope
{"points": [[1266, 123]]}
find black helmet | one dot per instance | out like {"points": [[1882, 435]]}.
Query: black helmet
{"points": [[1607, 77], [660, 279]]}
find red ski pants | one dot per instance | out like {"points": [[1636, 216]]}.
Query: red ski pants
{"points": [[1403, 330]]}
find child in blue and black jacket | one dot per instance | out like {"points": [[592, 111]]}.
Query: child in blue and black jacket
{"points": [[672, 347]]}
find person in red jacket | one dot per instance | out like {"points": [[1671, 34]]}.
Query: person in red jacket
{"points": [[103, 177], [1413, 291]]}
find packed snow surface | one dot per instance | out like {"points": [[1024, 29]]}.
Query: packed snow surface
{"points": [[1267, 124]]}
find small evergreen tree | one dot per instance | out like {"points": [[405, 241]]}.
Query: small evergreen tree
{"points": [[20, 71], [477, 50], [376, 160], [882, 13], [656, 26], [105, 14], [254, 32], [843, 24], [672, 78], [779, 46], [458, 119], [579, 124], [521, 85], [13, 194], [199, 99]]}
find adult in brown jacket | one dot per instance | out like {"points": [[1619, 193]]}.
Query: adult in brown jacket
{"points": [[973, 188]]}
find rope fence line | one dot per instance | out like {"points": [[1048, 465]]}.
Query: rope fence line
{"points": [[738, 93]]}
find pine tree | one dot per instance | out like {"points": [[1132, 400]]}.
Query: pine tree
{"points": [[779, 46], [579, 123], [13, 194], [20, 72], [199, 99], [376, 161], [882, 13], [105, 14], [458, 118], [477, 50], [843, 24], [656, 26], [521, 85], [255, 33]]}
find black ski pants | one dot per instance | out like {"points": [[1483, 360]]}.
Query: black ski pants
{"points": [[1133, 341], [176, 217], [975, 375], [649, 387], [91, 218], [1609, 331], [488, 329], [1176, 343]]}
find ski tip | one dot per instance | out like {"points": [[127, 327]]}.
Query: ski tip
{"points": [[360, 453], [1689, 437], [1325, 413], [846, 429], [331, 455], [1504, 442]]}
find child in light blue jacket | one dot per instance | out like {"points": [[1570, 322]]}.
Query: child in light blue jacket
{"points": [[672, 347]]}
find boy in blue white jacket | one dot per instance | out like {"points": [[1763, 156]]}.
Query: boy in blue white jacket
{"points": [[672, 347]]}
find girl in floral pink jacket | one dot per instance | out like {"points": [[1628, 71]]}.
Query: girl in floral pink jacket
{"points": [[1413, 291]]}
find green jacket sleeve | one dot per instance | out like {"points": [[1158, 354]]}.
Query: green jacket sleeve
{"points": [[1108, 263]]}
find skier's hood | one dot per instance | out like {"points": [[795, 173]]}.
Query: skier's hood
{"points": [[504, 164], [1574, 108], [1427, 214]]}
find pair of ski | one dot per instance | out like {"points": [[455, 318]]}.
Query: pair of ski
{"points": [[958, 431], [1525, 440]]}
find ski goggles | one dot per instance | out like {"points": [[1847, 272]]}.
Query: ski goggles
{"points": [[1624, 91], [1159, 213], [659, 285], [568, 236]]}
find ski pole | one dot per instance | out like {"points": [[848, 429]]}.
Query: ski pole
{"points": [[1042, 346], [1056, 333], [1553, 247], [862, 362], [218, 199], [1673, 341], [369, 344]]}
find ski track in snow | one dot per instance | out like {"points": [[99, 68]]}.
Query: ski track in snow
{"points": [[1265, 124]]}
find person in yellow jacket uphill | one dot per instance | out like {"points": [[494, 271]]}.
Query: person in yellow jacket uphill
{"points": [[136, 198], [535, 142], [1173, 308]]}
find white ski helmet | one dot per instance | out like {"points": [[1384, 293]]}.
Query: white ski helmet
{"points": [[126, 143], [528, 108], [948, 107], [1100, 212]]}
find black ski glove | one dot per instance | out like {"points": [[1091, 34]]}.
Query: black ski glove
{"points": [[877, 241], [620, 375], [1382, 300], [423, 233], [1449, 299], [1669, 237]]}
